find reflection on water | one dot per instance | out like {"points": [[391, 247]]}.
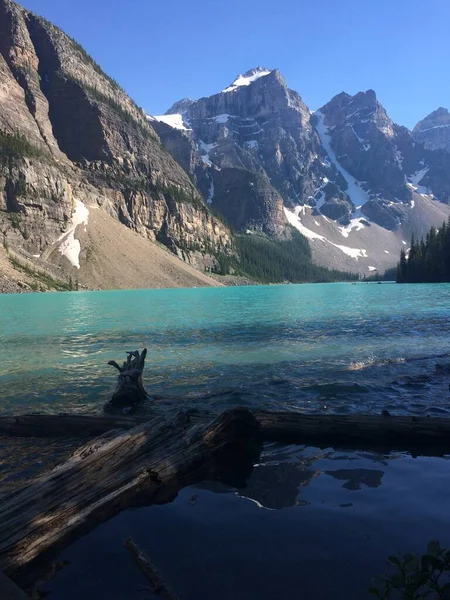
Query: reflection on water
{"points": [[283, 472], [355, 478], [317, 348], [307, 523]]}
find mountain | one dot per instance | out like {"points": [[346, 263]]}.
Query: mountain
{"points": [[348, 178], [78, 159], [434, 130], [95, 193]]}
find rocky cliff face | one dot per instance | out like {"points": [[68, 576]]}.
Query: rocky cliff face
{"points": [[434, 130], [347, 166], [71, 138], [256, 124]]}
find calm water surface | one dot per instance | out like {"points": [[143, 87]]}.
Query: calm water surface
{"points": [[326, 348], [308, 524]]}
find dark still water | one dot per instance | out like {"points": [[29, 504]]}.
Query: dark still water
{"points": [[308, 524], [314, 348]]}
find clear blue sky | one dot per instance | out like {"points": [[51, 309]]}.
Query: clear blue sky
{"points": [[163, 50]]}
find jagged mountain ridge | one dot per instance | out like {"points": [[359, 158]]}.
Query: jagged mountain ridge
{"points": [[72, 141], [347, 177], [434, 130]]}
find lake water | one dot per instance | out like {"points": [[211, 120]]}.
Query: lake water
{"points": [[313, 348], [307, 523]]}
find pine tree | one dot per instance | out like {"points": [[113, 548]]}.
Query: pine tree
{"points": [[428, 260]]}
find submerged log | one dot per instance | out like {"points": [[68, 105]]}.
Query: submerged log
{"points": [[9, 590], [418, 435], [130, 389], [159, 586], [149, 462]]}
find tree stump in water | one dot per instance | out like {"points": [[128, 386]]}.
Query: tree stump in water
{"points": [[130, 389]]}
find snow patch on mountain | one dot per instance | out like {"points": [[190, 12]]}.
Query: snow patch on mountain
{"points": [[415, 180], [69, 246], [206, 149], [434, 127], [357, 224], [177, 121], [294, 219], [247, 79], [222, 118], [357, 195], [211, 190]]}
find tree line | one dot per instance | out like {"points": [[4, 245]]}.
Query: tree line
{"points": [[272, 261], [428, 260]]}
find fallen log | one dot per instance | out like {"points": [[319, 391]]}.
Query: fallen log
{"points": [[133, 464], [419, 435], [426, 435], [146, 464], [39, 425]]}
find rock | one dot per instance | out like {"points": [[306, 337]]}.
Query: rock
{"points": [[434, 130], [248, 201], [23, 285], [388, 215], [102, 153], [259, 125]]}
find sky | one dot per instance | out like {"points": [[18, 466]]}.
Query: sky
{"points": [[163, 50]]}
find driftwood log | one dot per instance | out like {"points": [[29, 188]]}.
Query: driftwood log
{"points": [[65, 426], [130, 389], [424, 435], [146, 464], [134, 463], [419, 435]]}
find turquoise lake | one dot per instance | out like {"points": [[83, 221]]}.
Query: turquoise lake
{"points": [[314, 348]]}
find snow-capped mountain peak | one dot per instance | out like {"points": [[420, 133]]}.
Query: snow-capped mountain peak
{"points": [[247, 78], [263, 160]]}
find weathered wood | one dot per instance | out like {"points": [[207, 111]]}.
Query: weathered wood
{"points": [[425, 434], [9, 590], [419, 435], [39, 425], [151, 460], [130, 389], [150, 571]]}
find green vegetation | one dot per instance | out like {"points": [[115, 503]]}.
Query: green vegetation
{"points": [[388, 275], [416, 577], [144, 184], [18, 224], [428, 260], [15, 146], [125, 115], [86, 58], [89, 253], [269, 261], [43, 281]]}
